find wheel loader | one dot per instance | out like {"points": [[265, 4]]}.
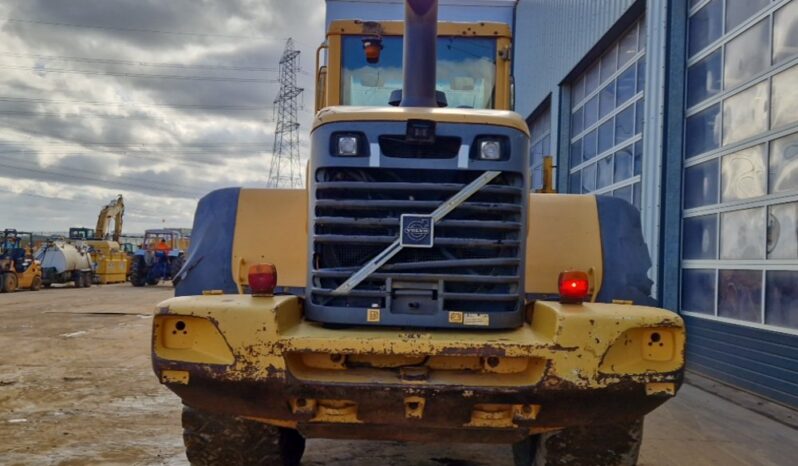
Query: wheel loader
{"points": [[18, 268], [416, 290]]}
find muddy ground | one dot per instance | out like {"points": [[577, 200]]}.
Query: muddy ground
{"points": [[76, 387]]}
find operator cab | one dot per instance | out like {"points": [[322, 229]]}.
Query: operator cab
{"points": [[154, 238], [364, 65], [81, 233], [17, 246]]}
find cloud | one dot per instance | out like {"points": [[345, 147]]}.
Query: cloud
{"points": [[160, 101]]}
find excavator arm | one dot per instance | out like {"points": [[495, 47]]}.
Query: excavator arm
{"points": [[114, 210]]}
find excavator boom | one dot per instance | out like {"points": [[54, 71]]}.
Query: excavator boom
{"points": [[115, 210]]}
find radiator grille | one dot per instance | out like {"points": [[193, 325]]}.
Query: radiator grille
{"points": [[475, 262]]}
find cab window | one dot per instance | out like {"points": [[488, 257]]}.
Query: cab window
{"points": [[466, 72]]}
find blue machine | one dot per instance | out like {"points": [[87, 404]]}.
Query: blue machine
{"points": [[160, 257]]}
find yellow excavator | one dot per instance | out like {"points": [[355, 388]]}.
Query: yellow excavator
{"points": [[112, 263]]}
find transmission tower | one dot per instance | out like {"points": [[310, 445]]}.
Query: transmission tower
{"points": [[286, 170]]}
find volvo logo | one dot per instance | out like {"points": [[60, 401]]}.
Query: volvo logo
{"points": [[417, 231]]}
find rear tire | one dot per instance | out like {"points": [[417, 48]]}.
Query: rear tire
{"points": [[77, 279], [36, 284], [214, 439], [177, 264], [9, 283], [87, 279], [137, 272], [608, 445]]}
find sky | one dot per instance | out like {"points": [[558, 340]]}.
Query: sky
{"points": [[160, 101]]}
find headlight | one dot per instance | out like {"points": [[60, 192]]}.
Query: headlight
{"points": [[490, 150], [348, 144]]}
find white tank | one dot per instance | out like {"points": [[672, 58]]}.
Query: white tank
{"points": [[64, 256]]}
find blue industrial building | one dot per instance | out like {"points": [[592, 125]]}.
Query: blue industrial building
{"points": [[689, 110]]}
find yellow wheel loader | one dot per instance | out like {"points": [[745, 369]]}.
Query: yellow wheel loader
{"points": [[416, 290], [18, 268]]}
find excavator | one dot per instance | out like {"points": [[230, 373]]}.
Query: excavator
{"points": [[111, 262], [416, 290]]}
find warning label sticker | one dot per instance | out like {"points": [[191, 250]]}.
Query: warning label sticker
{"points": [[472, 318]]}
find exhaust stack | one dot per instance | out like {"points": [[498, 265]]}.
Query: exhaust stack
{"points": [[420, 53]]}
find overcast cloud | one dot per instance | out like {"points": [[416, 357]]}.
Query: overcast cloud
{"points": [[93, 103]]}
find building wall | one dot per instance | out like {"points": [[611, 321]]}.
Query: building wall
{"points": [[552, 37], [557, 45], [719, 157], [739, 283]]}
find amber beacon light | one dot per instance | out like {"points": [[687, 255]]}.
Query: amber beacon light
{"points": [[373, 48]]}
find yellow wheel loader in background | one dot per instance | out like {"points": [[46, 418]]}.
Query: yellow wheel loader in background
{"points": [[18, 268], [416, 290]]}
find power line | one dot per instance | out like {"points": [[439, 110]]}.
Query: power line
{"points": [[150, 144], [102, 116], [134, 149], [72, 202], [118, 181], [140, 63], [135, 155], [142, 156], [140, 75], [141, 104], [27, 166], [117, 28]]}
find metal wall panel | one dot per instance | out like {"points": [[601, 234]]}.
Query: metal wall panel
{"points": [[760, 361], [552, 36]]}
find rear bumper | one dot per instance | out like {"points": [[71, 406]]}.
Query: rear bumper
{"points": [[257, 358]]}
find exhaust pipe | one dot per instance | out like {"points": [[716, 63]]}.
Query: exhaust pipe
{"points": [[420, 53]]}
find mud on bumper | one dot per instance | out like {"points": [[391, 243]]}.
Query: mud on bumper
{"points": [[571, 365]]}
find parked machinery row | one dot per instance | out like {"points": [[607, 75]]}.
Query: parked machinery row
{"points": [[90, 256]]}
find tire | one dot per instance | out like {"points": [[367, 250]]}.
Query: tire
{"points": [[87, 279], [77, 278], [213, 439], [175, 267], [9, 283], [137, 272], [606, 445], [36, 284]]}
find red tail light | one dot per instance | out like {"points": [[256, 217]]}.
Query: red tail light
{"points": [[262, 279], [574, 287]]}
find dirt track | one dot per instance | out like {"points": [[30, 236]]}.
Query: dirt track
{"points": [[76, 387]]}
